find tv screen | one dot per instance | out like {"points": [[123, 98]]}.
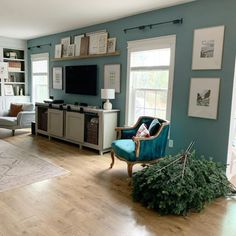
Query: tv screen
{"points": [[81, 79]]}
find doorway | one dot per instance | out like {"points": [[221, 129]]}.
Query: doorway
{"points": [[231, 158]]}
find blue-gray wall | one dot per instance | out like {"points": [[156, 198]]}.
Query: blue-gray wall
{"points": [[211, 136]]}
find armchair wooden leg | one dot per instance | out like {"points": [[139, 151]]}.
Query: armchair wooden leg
{"points": [[112, 159], [130, 169], [13, 132]]}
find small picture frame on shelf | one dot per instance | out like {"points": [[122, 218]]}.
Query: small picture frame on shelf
{"points": [[58, 50], [77, 42], [111, 45], [84, 46], [65, 43], [71, 50], [9, 90], [98, 43]]}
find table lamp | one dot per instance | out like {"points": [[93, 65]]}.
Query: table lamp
{"points": [[107, 94]]}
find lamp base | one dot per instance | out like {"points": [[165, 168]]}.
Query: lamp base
{"points": [[107, 105]]}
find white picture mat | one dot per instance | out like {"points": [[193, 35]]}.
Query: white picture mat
{"points": [[71, 50], [197, 86], [58, 50], [111, 45], [65, 43], [212, 34], [98, 43], [8, 90], [112, 77], [57, 78]]}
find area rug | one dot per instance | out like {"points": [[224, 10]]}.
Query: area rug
{"points": [[19, 168]]}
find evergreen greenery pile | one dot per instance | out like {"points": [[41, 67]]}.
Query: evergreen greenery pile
{"points": [[176, 185]]}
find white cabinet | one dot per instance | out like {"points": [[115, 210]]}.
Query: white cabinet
{"points": [[74, 126], [55, 122], [94, 128]]}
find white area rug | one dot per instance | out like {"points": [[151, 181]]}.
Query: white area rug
{"points": [[18, 168]]}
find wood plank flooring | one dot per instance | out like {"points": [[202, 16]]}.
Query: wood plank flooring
{"points": [[94, 200]]}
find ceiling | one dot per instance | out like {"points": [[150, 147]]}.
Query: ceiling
{"points": [[27, 19]]}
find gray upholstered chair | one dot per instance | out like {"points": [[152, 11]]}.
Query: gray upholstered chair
{"points": [[22, 120]]}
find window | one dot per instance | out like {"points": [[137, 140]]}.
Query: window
{"points": [[150, 78], [40, 84]]}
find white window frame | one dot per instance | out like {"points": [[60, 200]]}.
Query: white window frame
{"points": [[144, 45], [38, 57]]}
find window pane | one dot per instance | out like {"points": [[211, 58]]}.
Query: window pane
{"points": [[40, 84], [149, 112], [139, 99], [40, 66], [41, 93], [161, 99], [40, 79], [161, 114], [151, 79], [157, 57], [138, 112], [150, 101]]}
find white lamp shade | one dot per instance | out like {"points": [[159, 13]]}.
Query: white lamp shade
{"points": [[107, 93]]}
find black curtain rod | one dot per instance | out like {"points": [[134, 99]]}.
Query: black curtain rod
{"points": [[39, 46], [142, 27]]}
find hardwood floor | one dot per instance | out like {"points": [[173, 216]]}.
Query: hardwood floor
{"points": [[94, 200]]}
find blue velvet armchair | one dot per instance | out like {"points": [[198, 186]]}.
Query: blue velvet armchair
{"points": [[144, 150]]}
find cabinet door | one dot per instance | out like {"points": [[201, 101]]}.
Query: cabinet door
{"points": [[75, 126], [109, 125], [55, 122]]}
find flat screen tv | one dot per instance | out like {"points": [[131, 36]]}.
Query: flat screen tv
{"points": [[81, 79]]}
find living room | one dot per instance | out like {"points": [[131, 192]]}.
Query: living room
{"points": [[74, 203]]}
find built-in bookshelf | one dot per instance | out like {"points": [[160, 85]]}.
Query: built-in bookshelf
{"points": [[15, 59], [13, 72]]}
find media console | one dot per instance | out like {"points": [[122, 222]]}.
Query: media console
{"points": [[85, 126]]}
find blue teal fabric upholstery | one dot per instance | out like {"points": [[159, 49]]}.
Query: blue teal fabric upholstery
{"points": [[150, 149], [124, 148], [129, 133]]}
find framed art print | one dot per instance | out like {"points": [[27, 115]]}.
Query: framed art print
{"points": [[57, 78], [208, 48], [112, 77], [203, 97], [58, 50], [111, 45], [9, 90]]}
